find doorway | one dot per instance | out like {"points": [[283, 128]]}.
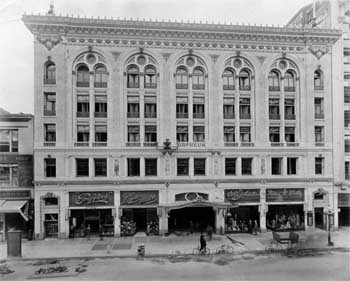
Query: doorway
{"points": [[319, 221]]}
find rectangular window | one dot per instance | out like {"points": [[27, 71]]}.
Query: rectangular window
{"points": [[319, 108], [291, 165], [8, 140], [199, 166], [346, 52], [274, 134], [181, 107], [82, 167], [100, 167], [150, 166], [83, 133], [50, 167], [247, 166], [289, 134], [100, 106], [50, 132], [319, 165], [289, 109], [244, 108], [133, 133], [100, 133], [150, 133], [150, 107], [347, 119], [244, 134], [274, 109], [133, 107], [229, 134], [182, 133], [229, 108], [347, 170], [276, 166], [347, 145], [50, 104], [133, 167], [198, 134], [230, 166], [183, 166], [198, 108], [9, 175], [347, 92], [319, 134], [83, 106]]}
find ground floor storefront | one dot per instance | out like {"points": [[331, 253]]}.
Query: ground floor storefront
{"points": [[344, 209], [156, 210]]}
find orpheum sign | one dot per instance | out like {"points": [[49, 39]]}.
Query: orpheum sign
{"points": [[98, 198], [242, 195], [285, 195]]}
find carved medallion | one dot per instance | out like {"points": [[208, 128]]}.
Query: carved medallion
{"points": [[49, 42], [319, 51]]}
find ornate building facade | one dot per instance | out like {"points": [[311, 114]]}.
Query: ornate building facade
{"points": [[167, 126]]}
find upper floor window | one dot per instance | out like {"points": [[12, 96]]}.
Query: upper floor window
{"points": [[289, 82], [82, 167], [346, 94], [199, 166], [292, 165], [347, 170], [133, 167], [151, 166], [319, 165], [134, 133], [8, 140], [50, 167], [50, 104], [150, 77], [228, 79], [229, 108], [100, 133], [9, 175], [83, 106], [347, 119], [247, 166], [50, 132], [319, 108], [183, 166], [150, 134], [244, 108], [182, 133], [274, 81], [198, 133], [133, 107], [274, 134], [274, 109], [318, 80], [101, 77], [83, 133], [289, 134], [319, 134], [181, 78], [198, 79], [150, 107], [244, 81], [181, 107], [289, 109], [133, 77], [100, 167], [229, 134], [276, 166], [100, 106], [198, 108], [50, 73], [230, 166], [83, 76], [244, 134]]}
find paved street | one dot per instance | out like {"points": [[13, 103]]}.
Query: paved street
{"points": [[330, 266]]}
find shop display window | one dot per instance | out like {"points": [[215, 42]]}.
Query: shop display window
{"points": [[285, 217]]}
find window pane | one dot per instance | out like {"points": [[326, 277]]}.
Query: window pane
{"points": [[133, 167], [182, 166], [199, 166]]}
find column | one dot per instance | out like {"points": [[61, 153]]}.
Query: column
{"points": [[117, 214], [219, 221], [263, 208], [163, 220], [37, 217]]}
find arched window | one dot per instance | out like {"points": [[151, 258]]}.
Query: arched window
{"points": [[133, 77], [244, 80], [50, 73], [289, 82], [274, 81], [150, 77], [318, 80], [100, 77], [198, 79], [181, 78], [83, 77], [228, 79]]}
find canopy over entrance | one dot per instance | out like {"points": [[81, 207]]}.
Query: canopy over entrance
{"points": [[199, 203], [20, 206]]}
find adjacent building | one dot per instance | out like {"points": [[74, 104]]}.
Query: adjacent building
{"points": [[169, 126], [336, 14], [16, 173]]}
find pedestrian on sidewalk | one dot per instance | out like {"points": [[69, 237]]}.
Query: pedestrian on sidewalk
{"points": [[255, 228], [203, 243], [88, 230]]}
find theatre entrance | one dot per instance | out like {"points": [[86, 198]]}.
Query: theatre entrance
{"points": [[191, 219]]}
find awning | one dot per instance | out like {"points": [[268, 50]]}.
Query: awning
{"points": [[20, 206], [200, 203]]}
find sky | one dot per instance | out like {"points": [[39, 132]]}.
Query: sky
{"points": [[17, 49]]}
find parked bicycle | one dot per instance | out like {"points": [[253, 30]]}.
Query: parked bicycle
{"points": [[198, 251], [224, 249]]}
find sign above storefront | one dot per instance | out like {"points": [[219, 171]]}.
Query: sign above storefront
{"points": [[343, 199], [242, 195], [16, 158], [285, 195], [139, 198], [15, 194], [98, 198], [192, 196]]}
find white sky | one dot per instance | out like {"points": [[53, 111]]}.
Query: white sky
{"points": [[16, 47]]}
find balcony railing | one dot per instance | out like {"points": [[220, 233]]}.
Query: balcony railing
{"points": [[319, 115], [318, 88], [99, 144], [244, 88], [319, 144], [289, 89], [274, 88], [133, 114], [274, 116], [49, 143], [100, 84], [81, 144], [181, 86], [83, 114], [229, 116], [150, 114], [100, 114], [49, 112], [150, 144], [247, 144], [231, 144], [198, 86], [83, 84], [133, 85], [289, 116], [48, 81], [133, 144], [245, 116], [181, 115], [198, 115], [228, 87], [277, 144], [150, 85], [292, 144]]}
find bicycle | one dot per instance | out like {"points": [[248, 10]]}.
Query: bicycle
{"points": [[274, 246], [198, 251], [224, 249]]}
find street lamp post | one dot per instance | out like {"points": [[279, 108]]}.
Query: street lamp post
{"points": [[329, 216]]}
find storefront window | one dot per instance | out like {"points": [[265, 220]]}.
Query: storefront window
{"points": [[285, 217]]}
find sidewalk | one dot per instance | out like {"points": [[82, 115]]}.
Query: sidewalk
{"points": [[170, 245]]}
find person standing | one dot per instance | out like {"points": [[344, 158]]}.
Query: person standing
{"points": [[203, 244]]}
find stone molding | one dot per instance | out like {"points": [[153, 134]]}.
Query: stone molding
{"points": [[318, 51]]}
